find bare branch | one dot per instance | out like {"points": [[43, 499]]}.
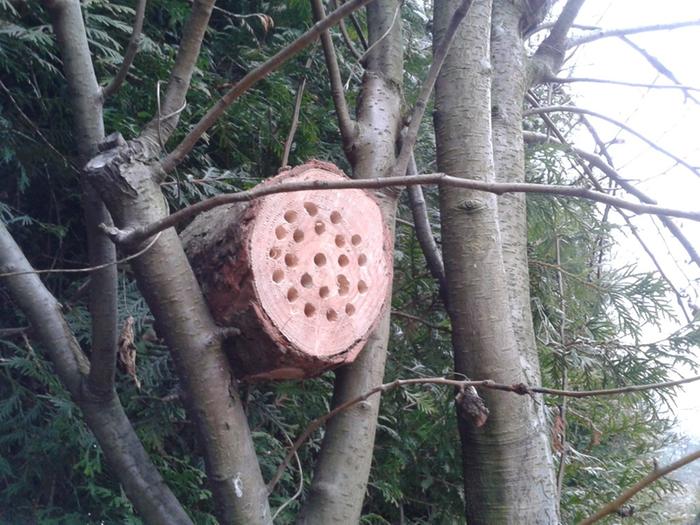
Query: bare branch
{"points": [[424, 232], [179, 153], [598, 35], [639, 486], [295, 116], [104, 414], [570, 80], [519, 389], [574, 109], [346, 36], [141, 233], [348, 128], [610, 172], [159, 129], [131, 49], [439, 55], [420, 320], [549, 56]]}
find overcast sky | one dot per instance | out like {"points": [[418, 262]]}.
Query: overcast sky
{"points": [[663, 116]]}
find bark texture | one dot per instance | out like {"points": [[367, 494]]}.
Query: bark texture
{"points": [[504, 472], [168, 284], [342, 470], [104, 415]]}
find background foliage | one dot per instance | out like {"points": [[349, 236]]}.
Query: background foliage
{"points": [[51, 470]]}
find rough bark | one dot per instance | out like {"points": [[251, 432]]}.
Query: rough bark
{"points": [[104, 414], [503, 473], [342, 470], [183, 319], [301, 275]]}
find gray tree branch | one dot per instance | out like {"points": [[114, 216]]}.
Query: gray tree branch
{"points": [[598, 35], [104, 414], [131, 49]]}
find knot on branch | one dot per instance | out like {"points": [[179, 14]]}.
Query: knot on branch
{"points": [[471, 407], [521, 389]]}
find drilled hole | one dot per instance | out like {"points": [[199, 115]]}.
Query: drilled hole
{"points": [[349, 309], [307, 281], [292, 294], [277, 276], [309, 310], [281, 232], [331, 315], [324, 292], [339, 241], [355, 240], [343, 285], [335, 217], [319, 259], [311, 208], [362, 286], [319, 227], [291, 260], [343, 260], [275, 252], [362, 259], [290, 216], [298, 235]]}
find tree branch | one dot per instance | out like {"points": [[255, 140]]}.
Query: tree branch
{"points": [[639, 486], [104, 414], [131, 49], [519, 389], [424, 232], [439, 55], [348, 128], [179, 153], [159, 129], [574, 109], [549, 56], [295, 116], [570, 80], [573, 42], [346, 36], [86, 105], [610, 172], [142, 233]]}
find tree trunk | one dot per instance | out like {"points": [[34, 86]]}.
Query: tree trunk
{"points": [[504, 472], [342, 470]]}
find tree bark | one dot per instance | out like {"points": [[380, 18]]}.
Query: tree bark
{"points": [[502, 461], [342, 470], [104, 415], [166, 280]]}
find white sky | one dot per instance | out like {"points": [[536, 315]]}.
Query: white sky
{"points": [[662, 116]]}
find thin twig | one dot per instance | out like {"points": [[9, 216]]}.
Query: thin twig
{"points": [[386, 33], [640, 485], [520, 389], [301, 472], [573, 42], [578, 110], [412, 317], [36, 129], [570, 80], [346, 36], [182, 149], [498, 188], [131, 49], [610, 172], [295, 116], [90, 268]]}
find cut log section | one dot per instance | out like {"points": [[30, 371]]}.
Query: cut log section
{"points": [[304, 275]]}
